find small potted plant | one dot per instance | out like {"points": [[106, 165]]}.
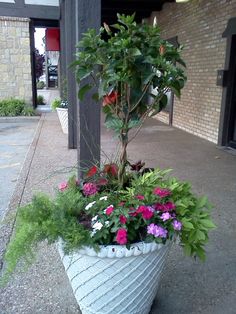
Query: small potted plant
{"points": [[61, 106], [115, 226]]}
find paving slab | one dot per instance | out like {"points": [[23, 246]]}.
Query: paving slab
{"points": [[16, 135], [187, 286]]}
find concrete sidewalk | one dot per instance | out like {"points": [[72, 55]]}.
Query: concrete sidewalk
{"points": [[188, 286]]}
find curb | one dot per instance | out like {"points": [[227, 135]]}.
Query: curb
{"points": [[18, 119], [8, 222]]}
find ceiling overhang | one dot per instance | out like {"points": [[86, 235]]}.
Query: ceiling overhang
{"points": [[142, 8]]}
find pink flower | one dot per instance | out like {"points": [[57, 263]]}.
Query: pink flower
{"points": [[63, 186], [177, 225], [123, 219], [140, 197], [146, 212], [121, 236], [166, 216], [161, 192], [109, 210], [90, 189], [169, 206], [133, 212], [121, 204]]}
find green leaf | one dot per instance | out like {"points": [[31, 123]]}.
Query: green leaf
{"points": [[187, 224], [134, 52], [82, 73], [134, 123], [83, 90], [202, 202], [114, 123], [95, 97], [208, 223]]}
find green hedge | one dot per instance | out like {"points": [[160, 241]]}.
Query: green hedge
{"points": [[15, 107]]}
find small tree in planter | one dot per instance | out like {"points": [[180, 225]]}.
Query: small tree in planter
{"points": [[118, 217], [130, 62]]}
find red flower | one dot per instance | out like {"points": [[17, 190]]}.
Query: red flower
{"points": [[110, 99], [111, 169], [140, 197], [102, 181], [92, 171], [109, 210], [123, 219], [146, 212], [121, 236]]}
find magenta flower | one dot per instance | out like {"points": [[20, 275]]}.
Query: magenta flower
{"points": [[62, 186], [140, 197], [161, 192], [90, 189], [157, 231], [123, 219], [167, 207], [121, 236], [177, 225], [109, 210], [166, 216]]}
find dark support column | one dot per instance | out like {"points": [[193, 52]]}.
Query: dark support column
{"points": [[62, 50], [32, 57], [88, 15], [70, 42]]}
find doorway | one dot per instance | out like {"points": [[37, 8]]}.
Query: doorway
{"points": [[227, 129], [232, 96]]}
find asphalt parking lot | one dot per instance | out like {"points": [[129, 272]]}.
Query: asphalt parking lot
{"points": [[16, 135]]}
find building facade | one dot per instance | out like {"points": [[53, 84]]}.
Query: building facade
{"points": [[199, 26], [15, 63]]}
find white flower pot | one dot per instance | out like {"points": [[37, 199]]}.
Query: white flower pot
{"points": [[116, 280], [63, 118]]}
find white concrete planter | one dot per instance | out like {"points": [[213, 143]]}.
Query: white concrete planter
{"points": [[116, 280], [63, 118]]}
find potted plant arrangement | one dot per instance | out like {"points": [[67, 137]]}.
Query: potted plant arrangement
{"points": [[114, 227], [61, 106]]}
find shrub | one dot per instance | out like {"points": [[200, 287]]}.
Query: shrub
{"points": [[40, 100], [40, 85], [15, 107], [11, 107], [58, 103]]}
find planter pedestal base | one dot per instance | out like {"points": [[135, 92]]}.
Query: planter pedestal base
{"points": [[116, 280]]}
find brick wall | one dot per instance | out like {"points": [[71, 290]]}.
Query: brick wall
{"points": [[199, 25], [15, 66]]}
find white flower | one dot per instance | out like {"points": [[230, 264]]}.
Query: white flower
{"points": [[103, 198], [97, 226], [107, 223], [90, 205], [95, 218]]}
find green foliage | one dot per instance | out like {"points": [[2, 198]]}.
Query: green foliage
{"points": [[58, 103], [80, 220], [15, 107], [40, 100], [133, 69], [40, 84]]}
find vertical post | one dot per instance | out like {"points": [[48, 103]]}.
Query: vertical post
{"points": [[88, 15], [32, 57], [69, 46]]}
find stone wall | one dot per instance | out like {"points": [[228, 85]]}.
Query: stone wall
{"points": [[15, 65], [199, 25]]}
